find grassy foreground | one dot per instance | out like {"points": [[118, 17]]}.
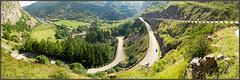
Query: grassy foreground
{"points": [[16, 69]]}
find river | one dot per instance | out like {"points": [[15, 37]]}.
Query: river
{"points": [[42, 20]]}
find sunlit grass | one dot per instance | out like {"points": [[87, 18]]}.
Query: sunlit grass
{"points": [[17, 69], [43, 27], [44, 34], [72, 23]]}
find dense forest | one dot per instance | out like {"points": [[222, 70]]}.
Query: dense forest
{"points": [[62, 31], [72, 50], [96, 49]]}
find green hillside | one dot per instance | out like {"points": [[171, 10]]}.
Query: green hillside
{"points": [[110, 10], [194, 10]]}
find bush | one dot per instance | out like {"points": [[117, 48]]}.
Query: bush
{"points": [[77, 68], [17, 47], [42, 59], [93, 76], [65, 66], [76, 65], [58, 63], [219, 26], [80, 71], [60, 75], [111, 71], [196, 47], [118, 69], [100, 73]]}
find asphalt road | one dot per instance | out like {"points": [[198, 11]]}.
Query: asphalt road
{"points": [[119, 57], [151, 55]]}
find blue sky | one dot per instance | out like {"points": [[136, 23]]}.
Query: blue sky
{"points": [[25, 3]]}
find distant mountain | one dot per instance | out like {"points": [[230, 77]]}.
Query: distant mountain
{"points": [[73, 10]]}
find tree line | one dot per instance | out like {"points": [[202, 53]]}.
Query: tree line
{"points": [[128, 28], [62, 31], [95, 34], [72, 50]]}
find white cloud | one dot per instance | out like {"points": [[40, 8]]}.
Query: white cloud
{"points": [[26, 3]]}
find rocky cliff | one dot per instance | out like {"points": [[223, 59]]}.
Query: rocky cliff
{"points": [[12, 12]]}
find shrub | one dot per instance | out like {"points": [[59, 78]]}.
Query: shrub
{"points": [[118, 69], [65, 66], [80, 71], [100, 73], [77, 68], [76, 65], [42, 59], [60, 75], [196, 47], [219, 26], [111, 71], [58, 63], [93, 76]]}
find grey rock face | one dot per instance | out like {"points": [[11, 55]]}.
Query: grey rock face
{"points": [[10, 12]]}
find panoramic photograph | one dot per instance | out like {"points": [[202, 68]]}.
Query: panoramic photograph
{"points": [[120, 39]]}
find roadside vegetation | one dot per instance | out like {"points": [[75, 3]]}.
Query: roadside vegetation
{"points": [[185, 43]]}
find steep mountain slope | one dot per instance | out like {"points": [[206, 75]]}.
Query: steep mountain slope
{"points": [[12, 12], [111, 10], [189, 10]]}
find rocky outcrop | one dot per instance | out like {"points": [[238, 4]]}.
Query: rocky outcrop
{"points": [[12, 12]]}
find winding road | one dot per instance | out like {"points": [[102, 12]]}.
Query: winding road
{"points": [[152, 54], [119, 57]]}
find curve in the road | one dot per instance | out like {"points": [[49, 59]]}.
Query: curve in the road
{"points": [[152, 53], [119, 57]]}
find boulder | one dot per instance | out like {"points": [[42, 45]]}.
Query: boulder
{"points": [[210, 38], [226, 59], [220, 57], [210, 60], [195, 62]]}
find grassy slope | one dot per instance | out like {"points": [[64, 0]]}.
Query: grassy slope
{"points": [[193, 10], [16, 69], [73, 23], [229, 47], [137, 48], [43, 32], [42, 27]]}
